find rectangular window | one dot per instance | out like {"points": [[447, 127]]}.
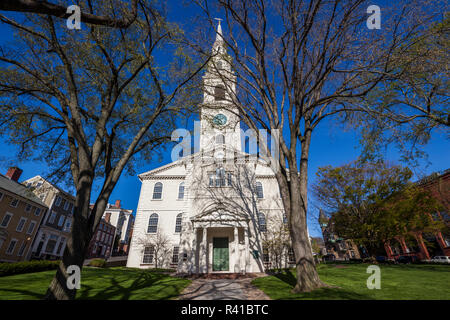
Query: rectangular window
{"points": [[148, 255], [31, 227], [266, 257], [37, 212], [22, 249], [6, 219], [61, 221], [175, 254], [72, 210], [67, 205], [1, 196], [58, 201], [52, 217], [11, 246], [28, 208], [21, 224], [68, 225], [14, 203]]}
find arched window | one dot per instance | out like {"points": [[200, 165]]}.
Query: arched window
{"points": [[220, 139], [219, 65], [181, 191], [219, 93], [262, 222], [259, 190], [153, 223], [178, 223], [157, 190]]}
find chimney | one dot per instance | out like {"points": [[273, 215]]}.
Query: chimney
{"points": [[117, 205], [14, 173]]}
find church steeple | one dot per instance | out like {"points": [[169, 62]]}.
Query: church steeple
{"points": [[219, 118]]}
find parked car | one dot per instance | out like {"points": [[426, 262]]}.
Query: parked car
{"points": [[407, 259], [441, 259]]}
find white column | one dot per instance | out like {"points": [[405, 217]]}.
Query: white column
{"points": [[192, 262], [55, 249], [247, 253], [236, 250], [203, 258]]}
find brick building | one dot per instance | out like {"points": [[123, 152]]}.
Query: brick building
{"points": [[21, 213], [102, 241], [426, 245], [57, 223]]}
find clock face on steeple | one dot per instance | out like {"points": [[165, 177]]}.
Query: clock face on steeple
{"points": [[220, 119]]}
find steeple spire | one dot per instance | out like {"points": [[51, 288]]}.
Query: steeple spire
{"points": [[218, 43]]}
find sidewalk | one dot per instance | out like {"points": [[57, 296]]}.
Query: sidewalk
{"points": [[222, 289]]}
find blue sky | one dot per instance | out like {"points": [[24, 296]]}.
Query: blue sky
{"points": [[330, 146]]}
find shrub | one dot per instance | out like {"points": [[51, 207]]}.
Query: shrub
{"points": [[7, 269], [99, 263]]}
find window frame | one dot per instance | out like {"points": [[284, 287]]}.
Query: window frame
{"points": [[175, 253], [10, 253], [32, 223], [58, 200], [23, 225], [157, 184], [61, 218], [155, 216], [22, 248], [3, 219], [17, 203], [263, 216], [259, 190], [52, 217], [150, 254], [181, 186], [178, 223]]}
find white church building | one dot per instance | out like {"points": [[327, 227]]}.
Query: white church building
{"points": [[217, 210]]}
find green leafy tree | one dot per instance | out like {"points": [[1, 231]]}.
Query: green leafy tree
{"points": [[372, 203], [93, 103]]}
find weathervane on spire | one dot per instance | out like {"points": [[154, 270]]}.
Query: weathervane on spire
{"points": [[218, 19]]}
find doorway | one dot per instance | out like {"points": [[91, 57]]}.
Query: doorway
{"points": [[220, 254]]}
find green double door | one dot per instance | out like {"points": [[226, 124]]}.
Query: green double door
{"points": [[220, 254]]}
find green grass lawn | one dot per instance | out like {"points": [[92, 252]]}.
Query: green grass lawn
{"points": [[108, 284], [397, 282]]}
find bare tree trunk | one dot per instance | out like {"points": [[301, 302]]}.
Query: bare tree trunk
{"points": [[296, 207], [77, 244]]}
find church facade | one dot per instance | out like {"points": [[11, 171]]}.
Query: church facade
{"points": [[219, 209]]}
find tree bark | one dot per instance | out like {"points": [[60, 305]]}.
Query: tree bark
{"points": [[77, 244], [294, 195]]}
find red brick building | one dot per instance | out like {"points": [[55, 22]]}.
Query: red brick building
{"points": [[423, 245], [102, 241]]}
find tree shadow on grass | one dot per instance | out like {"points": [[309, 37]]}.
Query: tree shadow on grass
{"points": [[118, 290], [319, 294]]}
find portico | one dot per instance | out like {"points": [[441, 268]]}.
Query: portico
{"points": [[221, 247]]}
